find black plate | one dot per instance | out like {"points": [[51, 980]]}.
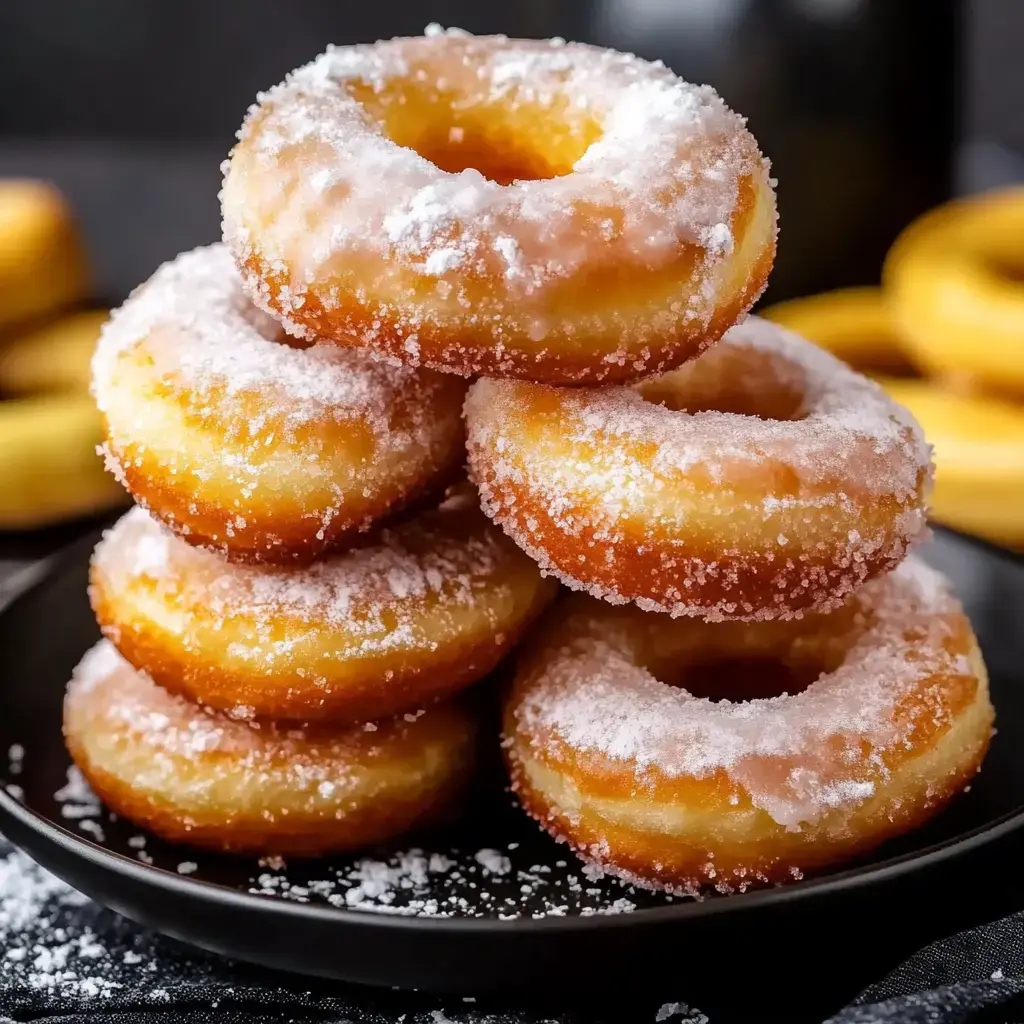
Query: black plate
{"points": [[526, 923]]}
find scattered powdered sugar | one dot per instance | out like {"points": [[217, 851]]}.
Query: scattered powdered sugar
{"points": [[485, 883], [40, 951], [796, 756], [687, 1013], [77, 800], [595, 482], [660, 168]]}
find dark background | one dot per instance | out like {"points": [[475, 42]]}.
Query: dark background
{"points": [[871, 110]]}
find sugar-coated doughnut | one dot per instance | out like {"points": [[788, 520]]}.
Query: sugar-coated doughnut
{"points": [[955, 280], [611, 752], [519, 208], [424, 610], [760, 481], [43, 264], [195, 777], [260, 449]]}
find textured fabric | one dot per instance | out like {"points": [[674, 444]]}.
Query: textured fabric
{"points": [[62, 958], [976, 976]]}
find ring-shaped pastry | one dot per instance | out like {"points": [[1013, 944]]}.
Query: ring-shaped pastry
{"points": [[421, 611], [202, 779], [760, 481], [520, 208], [955, 282], [610, 751], [259, 449]]}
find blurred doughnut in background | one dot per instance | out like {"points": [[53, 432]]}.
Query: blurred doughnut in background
{"points": [[944, 334], [49, 425]]}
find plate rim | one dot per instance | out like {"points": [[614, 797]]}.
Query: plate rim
{"points": [[186, 886]]}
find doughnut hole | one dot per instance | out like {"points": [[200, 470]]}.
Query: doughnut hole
{"points": [[740, 679], [465, 126], [761, 387], [740, 661]]}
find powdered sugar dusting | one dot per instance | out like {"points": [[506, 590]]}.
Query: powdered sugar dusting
{"points": [[434, 580], [194, 320], [660, 168], [796, 756], [250, 443], [589, 480], [127, 728]]}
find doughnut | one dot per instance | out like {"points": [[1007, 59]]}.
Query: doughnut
{"points": [[854, 324], [258, 449], [52, 357], [763, 480], [978, 439], [42, 260], [539, 210], [424, 610], [614, 749], [194, 777], [979, 458], [955, 279], [49, 470]]}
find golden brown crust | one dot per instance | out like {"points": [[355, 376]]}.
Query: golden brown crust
{"points": [[763, 480], [200, 779], [418, 613], [737, 804], [264, 450], [548, 257], [458, 347]]}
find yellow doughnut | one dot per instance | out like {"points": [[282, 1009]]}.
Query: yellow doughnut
{"points": [[49, 469], [979, 458], [854, 324], [955, 279], [195, 777], [53, 357], [42, 261], [423, 610]]}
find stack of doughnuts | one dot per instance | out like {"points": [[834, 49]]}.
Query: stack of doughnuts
{"points": [[752, 678]]}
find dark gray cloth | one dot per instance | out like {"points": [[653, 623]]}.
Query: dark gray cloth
{"points": [[975, 976], [66, 959]]}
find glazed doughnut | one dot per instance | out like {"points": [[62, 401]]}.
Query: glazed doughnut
{"points": [[528, 209], [194, 777], [760, 481], [42, 260], [428, 608], [260, 450], [610, 752], [955, 279], [854, 324]]}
